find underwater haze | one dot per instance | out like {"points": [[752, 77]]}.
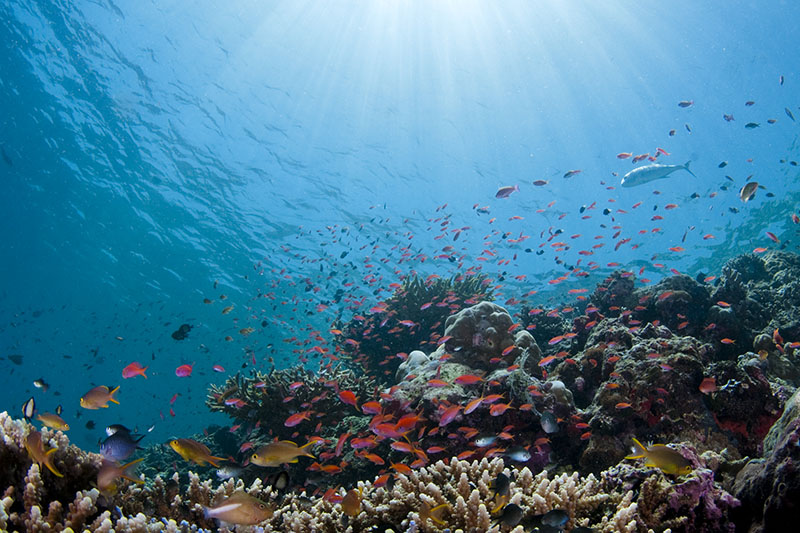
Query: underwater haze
{"points": [[280, 165]]}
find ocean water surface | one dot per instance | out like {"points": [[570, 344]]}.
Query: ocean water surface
{"points": [[293, 160]]}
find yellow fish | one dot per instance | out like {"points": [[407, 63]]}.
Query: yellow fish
{"points": [[194, 451], [35, 447], [99, 397], [351, 503], [110, 471], [670, 461], [53, 421], [280, 452], [241, 509]]}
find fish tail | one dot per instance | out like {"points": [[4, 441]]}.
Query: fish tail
{"points": [[214, 460], [129, 475], [686, 167], [306, 452], [638, 450], [112, 393], [48, 462]]}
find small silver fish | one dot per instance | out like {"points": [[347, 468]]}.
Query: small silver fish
{"points": [[228, 472], [518, 454], [484, 441], [549, 422], [648, 173]]}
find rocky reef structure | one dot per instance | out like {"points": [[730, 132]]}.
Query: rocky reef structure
{"points": [[769, 487], [411, 319]]}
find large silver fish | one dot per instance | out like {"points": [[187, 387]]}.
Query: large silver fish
{"points": [[647, 173]]}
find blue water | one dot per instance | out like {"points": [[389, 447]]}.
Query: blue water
{"points": [[153, 149]]}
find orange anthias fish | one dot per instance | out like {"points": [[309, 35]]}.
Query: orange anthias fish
{"points": [[348, 397], [280, 452], [134, 369], [194, 451], [241, 509], [36, 451], [110, 471], [99, 397]]}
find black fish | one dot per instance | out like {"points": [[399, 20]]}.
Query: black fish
{"points": [[751, 125], [501, 485], [723, 164], [15, 358], [556, 518], [512, 514], [788, 113], [182, 332], [120, 445]]}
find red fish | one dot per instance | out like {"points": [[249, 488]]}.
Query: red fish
{"points": [[468, 379], [773, 237], [296, 418], [218, 368], [624, 155], [348, 397], [134, 369], [708, 385], [571, 173], [499, 409], [184, 371], [449, 415], [371, 408]]}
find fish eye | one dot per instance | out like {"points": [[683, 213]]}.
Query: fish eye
{"points": [[174, 442]]}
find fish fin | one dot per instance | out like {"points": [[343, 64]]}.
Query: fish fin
{"points": [[48, 462], [639, 451], [111, 395], [213, 460], [686, 168], [128, 476]]}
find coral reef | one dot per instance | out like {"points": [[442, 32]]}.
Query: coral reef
{"points": [[769, 488], [706, 368], [621, 499], [410, 319]]}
